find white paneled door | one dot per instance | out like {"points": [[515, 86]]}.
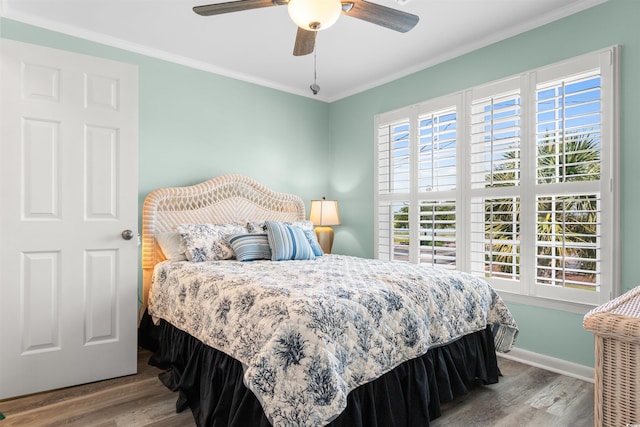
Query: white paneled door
{"points": [[68, 195]]}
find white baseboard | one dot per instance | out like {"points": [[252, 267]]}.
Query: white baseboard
{"points": [[549, 363]]}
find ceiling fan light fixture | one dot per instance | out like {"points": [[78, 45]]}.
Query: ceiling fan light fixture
{"points": [[314, 15]]}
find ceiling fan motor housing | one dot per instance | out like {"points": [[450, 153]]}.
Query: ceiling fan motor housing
{"points": [[314, 15]]}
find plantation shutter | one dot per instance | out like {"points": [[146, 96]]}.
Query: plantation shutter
{"points": [[394, 180], [568, 129], [438, 233], [568, 168], [515, 181], [437, 162], [495, 141], [393, 230], [437, 157], [394, 157], [495, 175]]}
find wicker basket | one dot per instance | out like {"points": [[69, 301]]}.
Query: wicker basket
{"points": [[616, 326]]}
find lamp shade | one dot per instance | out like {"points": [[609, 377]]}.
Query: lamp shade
{"points": [[314, 15], [324, 212]]}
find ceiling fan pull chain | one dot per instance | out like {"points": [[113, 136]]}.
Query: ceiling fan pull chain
{"points": [[314, 87]]}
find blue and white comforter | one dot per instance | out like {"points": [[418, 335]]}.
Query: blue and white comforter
{"points": [[308, 332]]}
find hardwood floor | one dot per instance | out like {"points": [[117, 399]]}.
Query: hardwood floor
{"points": [[525, 396], [133, 401]]}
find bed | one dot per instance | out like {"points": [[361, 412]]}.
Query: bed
{"points": [[255, 327]]}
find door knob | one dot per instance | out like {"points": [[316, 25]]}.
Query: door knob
{"points": [[127, 234]]}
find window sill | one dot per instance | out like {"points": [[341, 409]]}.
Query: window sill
{"points": [[553, 304]]}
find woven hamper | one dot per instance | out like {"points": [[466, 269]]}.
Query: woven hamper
{"points": [[616, 326]]}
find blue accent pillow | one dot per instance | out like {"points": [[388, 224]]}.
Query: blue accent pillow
{"points": [[313, 242], [250, 247], [288, 242]]}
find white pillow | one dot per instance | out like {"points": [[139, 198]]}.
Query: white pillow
{"points": [[171, 244]]}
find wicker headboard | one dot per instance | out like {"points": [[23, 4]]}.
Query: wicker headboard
{"points": [[221, 200]]}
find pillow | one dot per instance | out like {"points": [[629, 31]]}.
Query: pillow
{"points": [[304, 224], [250, 247], [287, 242], [208, 242], [259, 227], [171, 244], [309, 232], [313, 242], [256, 227]]}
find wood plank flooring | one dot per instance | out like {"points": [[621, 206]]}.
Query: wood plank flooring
{"points": [[132, 401], [525, 396]]}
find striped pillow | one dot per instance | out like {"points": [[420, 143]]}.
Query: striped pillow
{"points": [[287, 242], [250, 247], [313, 242]]}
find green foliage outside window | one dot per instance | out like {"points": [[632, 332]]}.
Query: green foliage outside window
{"points": [[569, 218]]}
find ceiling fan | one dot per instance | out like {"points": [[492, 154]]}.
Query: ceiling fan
{"points": [[314, 15]]}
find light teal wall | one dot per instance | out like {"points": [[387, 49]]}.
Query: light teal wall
{"points": [[551, 332], [194, 125]]}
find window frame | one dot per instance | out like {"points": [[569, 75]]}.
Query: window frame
{"points": [[525, 290]]}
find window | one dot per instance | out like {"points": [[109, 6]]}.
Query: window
{"points": [[513, 181]]}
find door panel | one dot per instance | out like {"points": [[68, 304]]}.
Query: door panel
{"points": [[40, 300], [68, 182]]}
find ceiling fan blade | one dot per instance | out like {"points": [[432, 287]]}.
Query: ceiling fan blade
{"points": [[305, 42], [381, 15], [235, 6]]}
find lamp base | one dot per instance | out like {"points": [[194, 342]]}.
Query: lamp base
{"points": [[325, 238]]}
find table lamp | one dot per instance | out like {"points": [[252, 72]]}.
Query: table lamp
{"points": [[324, 214]]}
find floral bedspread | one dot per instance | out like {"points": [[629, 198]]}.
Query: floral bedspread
{"points": [[308, 332]]}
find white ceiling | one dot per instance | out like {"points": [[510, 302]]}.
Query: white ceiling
{"points": [[256, 45]]}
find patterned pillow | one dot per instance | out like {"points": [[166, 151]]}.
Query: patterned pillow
{"points": [[259, 226], [287, 242], [208, 242], [250, 247], [256, 227]]}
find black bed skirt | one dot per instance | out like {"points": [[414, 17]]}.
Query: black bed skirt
{"points": [[210, 383]]}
